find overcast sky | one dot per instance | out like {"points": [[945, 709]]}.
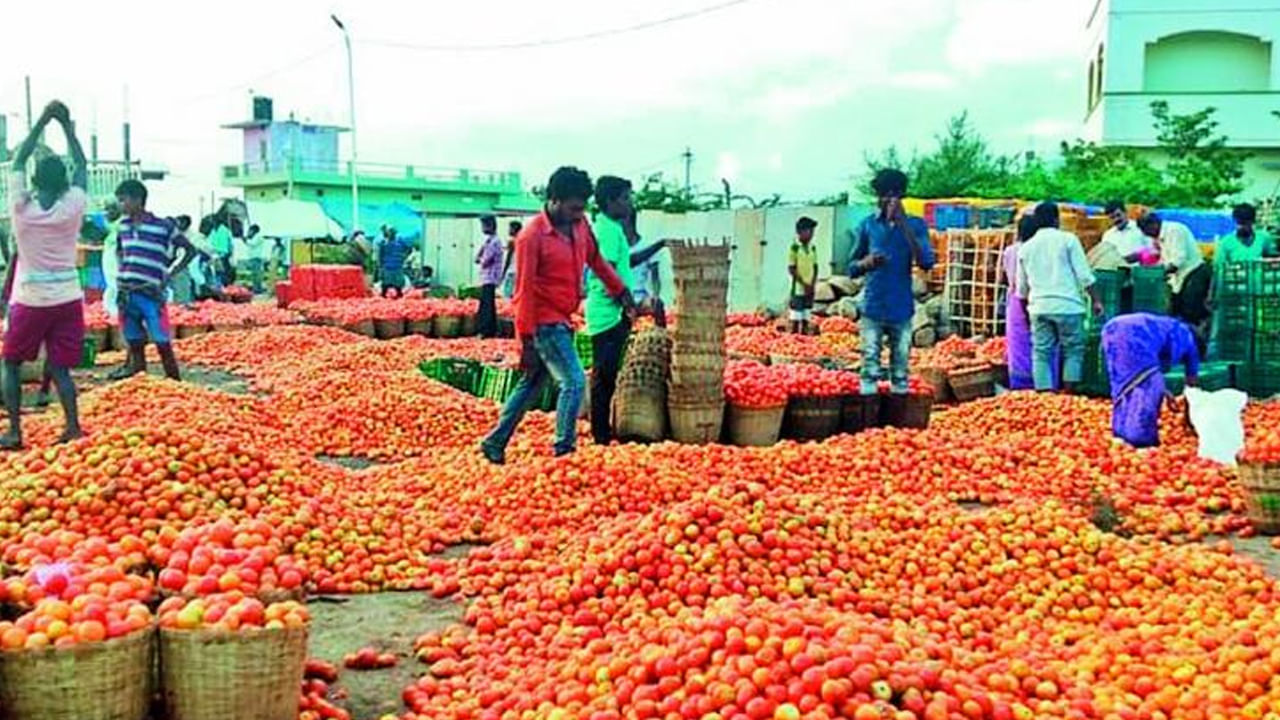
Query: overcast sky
{"points": [[777, 95]]}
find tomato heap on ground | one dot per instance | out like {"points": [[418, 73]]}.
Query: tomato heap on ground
{"points": [[835, 579]]}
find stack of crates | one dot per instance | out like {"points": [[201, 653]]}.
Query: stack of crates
{"points": [[1235, 317], [974, 293], [1260, 376], [1094, 381], [1151, 292], [1109, 284]]}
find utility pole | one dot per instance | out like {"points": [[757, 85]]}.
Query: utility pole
{"points": [[30, 122], [688, 167], [351, 100]]}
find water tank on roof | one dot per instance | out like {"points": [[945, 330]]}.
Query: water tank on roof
{"points": [[262, 110]]}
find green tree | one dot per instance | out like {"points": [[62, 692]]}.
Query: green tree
{"points": [[1095, 174], [1201, 169], [962, 164], [657, 193]]}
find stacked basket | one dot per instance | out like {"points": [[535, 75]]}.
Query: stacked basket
{"points": [[1261, 483], [695, 395], [640, 402]]}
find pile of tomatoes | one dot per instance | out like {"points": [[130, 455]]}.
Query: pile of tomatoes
{"points": [[824, 580]]}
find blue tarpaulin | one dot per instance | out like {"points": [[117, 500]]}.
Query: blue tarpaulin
{"points": [[406, 220], [1206, 225]]}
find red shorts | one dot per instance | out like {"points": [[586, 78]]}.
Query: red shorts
{"points": [[60, 328]]}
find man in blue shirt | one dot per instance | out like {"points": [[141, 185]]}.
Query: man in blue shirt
{"points": [[886, 246]]}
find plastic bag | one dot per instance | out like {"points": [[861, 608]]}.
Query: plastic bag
{"points": [[1217, 418]]}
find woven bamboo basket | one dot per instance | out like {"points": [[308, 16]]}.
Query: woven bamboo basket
{"points": [[115, 338], [189, 331], [696, 423], [859, 412], [470, 325], [639, 415], [1000, 373], [252, 674], [1261, 484], [388, 328], [937, 378], [362, 327], [907, 411], [812, 418], [110, 680], [447, 326], [972, 384], [418, 327], [754, 427], [99, 337]]}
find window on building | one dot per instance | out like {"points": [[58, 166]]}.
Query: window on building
{"points": [[1098, 84], [1207, 62]]}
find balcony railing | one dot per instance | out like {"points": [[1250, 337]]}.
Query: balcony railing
{"points": [[462, 176], [104, 178]]}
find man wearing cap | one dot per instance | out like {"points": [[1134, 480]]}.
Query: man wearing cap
{"points": [[802, 264]]}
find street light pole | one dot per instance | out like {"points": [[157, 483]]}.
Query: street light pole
{"points": [[355, 154]]}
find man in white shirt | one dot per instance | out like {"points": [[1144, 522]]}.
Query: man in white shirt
{"points": [[1120, 244], [255, 246], [1189, 274], [1053, 275]]}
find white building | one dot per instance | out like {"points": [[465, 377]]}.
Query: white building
{"points": [[1192, 54]]}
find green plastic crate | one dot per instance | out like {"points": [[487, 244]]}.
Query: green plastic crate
{"points": [[1264, 278], [1213, 377], [1095, 381], [586, 353], [1108, 285], [454, 372], [1266, 346], [1234, 280], [1261, 380], [88, 354], [497, 384], [1266, 314], [1151, 292]]}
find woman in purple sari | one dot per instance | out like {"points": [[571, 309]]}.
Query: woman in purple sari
{"points": [[1017, 332], [1139, 348]]}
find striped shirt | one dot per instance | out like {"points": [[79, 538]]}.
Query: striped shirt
{"points": [[144, 251]]}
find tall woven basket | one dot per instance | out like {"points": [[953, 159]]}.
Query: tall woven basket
{"points": [[1261, 484], [754, 427], [696, 423], [252, 674], [101, 681], [639, 409]]}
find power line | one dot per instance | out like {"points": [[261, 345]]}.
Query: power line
{"points": [[257, 78], [565, 40]]}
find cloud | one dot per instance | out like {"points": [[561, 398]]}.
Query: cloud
{"points": [[921, 80], [992, 33]]}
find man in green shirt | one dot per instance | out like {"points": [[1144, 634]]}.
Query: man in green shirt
{"points": [[607, 323], [1247, 244]]}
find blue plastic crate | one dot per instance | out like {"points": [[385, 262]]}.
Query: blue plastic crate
{"points": [[952, 217]]}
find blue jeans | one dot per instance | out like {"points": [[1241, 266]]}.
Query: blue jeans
{"points": [[556, 359], [256, 267], [143, 316], [874, 334], [1054, 333]]}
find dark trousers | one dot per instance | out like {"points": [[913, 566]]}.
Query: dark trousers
{"points": [[606, 350], [487, 318], [1190, 304]]}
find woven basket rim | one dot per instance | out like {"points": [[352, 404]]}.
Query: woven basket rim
{"points": [[244, 633], [136, 637]]}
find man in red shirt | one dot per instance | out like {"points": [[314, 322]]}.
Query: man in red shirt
{"points": [[552, 252]]}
